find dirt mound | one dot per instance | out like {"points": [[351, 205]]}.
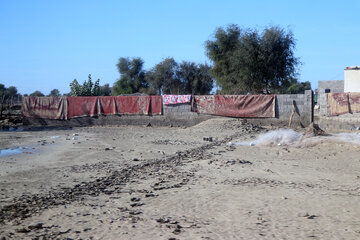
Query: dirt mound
{"points": [[224, 123], [314, 130]]}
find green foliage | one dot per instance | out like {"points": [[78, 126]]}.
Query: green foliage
{"points": [[2, 90], [37, 94], [221, 52], [9, 93], [299, 87], [169, 77], [87, 89], [153, 88], [196, 78], [105, 90], [247, 61], [54, 93], [96, 89], [121, 87], [164, 78], [132, 77], [75, 88]]}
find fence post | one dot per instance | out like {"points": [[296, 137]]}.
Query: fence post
{"points": [[309, 96]]}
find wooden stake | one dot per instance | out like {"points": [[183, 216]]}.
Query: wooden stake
{"points": [[292, 113]]}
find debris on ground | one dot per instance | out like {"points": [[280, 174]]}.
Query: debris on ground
{"points": [[314, 130]]}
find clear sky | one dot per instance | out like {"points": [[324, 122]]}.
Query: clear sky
{"points": [[46, 44]]}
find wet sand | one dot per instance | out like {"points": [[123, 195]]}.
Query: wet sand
{"points": [[132, 182]]}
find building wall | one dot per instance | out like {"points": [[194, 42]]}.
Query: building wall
{"points": [[352, 80], [335, 86]]}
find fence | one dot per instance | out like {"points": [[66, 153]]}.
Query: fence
{"points": [[64, 108], [335, 104], [265, 109], [340, 111], [298, 107]]}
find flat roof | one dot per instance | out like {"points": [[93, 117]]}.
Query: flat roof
{"points": [[352, 68]]}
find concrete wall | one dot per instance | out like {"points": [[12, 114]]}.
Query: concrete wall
{"points": [[172, 120], [335, 86], [303, 105], [322, 102], [352, 80], [348, 122], [176, 108], [181, 115], [283, 108]]}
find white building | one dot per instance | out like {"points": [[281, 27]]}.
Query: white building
{"points": [[352, 79]]}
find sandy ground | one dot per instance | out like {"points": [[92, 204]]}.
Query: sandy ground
{"points": [[168, 183]]}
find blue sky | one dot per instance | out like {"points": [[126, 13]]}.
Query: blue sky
{"points": [[46, 44]]}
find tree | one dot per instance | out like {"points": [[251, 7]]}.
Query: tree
{"points": [[105, 90], [247, 61], [153, 88], [196, 78], [2, 90], [87, 89], [37, 94], [75, 88], [54, 93], [299, 87], [221, 52], [8, 93], [164, 78], [132, 77], [12, 92], [96, 90], [188, 75], [169, 77], [2, 97]]}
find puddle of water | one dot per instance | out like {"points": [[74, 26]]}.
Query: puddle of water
{"points": [[12, 151], [11, 129]]}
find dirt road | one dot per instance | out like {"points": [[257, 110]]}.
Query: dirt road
{"points": [[169, 183]]}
